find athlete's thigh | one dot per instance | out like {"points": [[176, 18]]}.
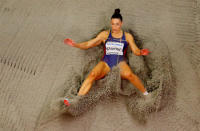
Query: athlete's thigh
{"points": [[100, 70], [125, 70]]}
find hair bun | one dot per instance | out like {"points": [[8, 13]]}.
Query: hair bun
{"points": [[117, 11]]}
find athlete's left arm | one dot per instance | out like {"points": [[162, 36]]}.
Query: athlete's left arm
{"points": [[132, 44]]}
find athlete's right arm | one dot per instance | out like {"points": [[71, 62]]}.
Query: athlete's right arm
{"points": [[91, 43]]}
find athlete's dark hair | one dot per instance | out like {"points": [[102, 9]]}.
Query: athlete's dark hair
{"points": [[117, 14]]}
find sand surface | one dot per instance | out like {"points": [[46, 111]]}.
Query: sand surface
{"points": [[37, 70]]}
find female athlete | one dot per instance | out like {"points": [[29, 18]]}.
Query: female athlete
{"points": [[116, 43]]}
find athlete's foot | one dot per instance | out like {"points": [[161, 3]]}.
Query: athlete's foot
{"points": [[67, 101], [145, 93], [147, 96], [71, 101]]}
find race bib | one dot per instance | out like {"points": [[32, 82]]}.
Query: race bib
{"points": [[114, 48]]}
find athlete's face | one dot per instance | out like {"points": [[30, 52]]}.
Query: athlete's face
{"points": [[116, 24]]}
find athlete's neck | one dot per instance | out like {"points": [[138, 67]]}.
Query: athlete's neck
{"points": [[117, 32]]}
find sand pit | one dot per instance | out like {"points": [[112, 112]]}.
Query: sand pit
{"points": [[156, 71], [37, 70]]}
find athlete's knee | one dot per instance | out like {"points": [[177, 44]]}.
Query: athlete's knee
{"points": [[93, 74], [128, 75]]}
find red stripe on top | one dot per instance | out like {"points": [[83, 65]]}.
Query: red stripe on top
{"points": [[125, 51]]}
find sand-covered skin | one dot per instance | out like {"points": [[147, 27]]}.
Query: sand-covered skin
{"points": [[37, 69]]}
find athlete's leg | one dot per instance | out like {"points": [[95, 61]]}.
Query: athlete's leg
{"points": [[99, 71], [126, 73]]}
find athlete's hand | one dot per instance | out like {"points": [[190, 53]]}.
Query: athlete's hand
{"points": [[69, 42], [144, 52]]}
